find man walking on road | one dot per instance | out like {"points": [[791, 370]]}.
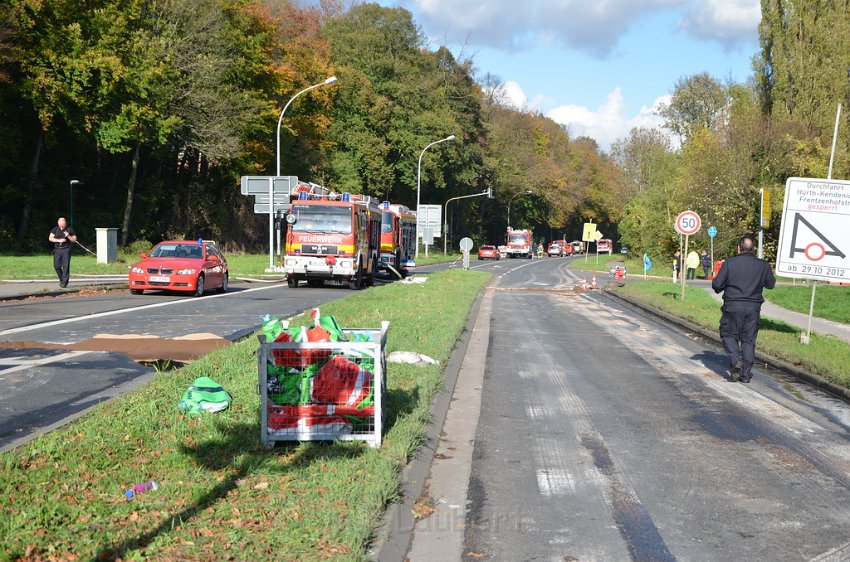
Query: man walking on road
{"points": [[62, 237], [742, 279]]}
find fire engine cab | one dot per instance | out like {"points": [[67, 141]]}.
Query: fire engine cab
{"points": [[398, 237], [331, 237]]}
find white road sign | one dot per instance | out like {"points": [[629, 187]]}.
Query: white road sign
{"points": [[814, 241], [251, 185], [687, 223], [430, 216]]}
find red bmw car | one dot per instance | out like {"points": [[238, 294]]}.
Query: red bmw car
{"points": [[180, 265]]}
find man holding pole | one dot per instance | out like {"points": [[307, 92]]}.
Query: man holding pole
{"points": [[741, 280], [62, 237]]}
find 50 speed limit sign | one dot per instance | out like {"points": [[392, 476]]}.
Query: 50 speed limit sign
{"points": [[687, 223]]}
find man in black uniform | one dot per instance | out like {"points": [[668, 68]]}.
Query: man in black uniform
{"points": [[62, 237], [742, 279]]}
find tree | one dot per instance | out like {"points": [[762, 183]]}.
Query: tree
{"points": [[697, 101]]}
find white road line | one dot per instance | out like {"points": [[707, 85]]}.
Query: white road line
{"points": [[124, 311], [19, 364]]}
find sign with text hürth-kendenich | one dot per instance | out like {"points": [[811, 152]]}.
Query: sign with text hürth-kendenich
{"points": [[814, 241]]}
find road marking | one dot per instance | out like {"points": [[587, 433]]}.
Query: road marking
{"points": [[21, 363], [125, 310]]}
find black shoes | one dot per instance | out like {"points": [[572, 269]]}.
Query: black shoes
{"points": [[735, 373], [746, 380]]}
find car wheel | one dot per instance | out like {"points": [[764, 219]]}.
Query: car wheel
{"points": [[136, 291], [224, 283], [199, 286], [291, 282]]}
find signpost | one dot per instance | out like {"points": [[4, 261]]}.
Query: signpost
{"points": [[814, 241], [429, 217], [712, 232], [276, 189], [687, 223], [465, 246], [588, 235]]}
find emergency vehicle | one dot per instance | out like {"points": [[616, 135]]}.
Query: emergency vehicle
{"points": [[331, 237], [398, 237], [518, 243], [604, 245]]}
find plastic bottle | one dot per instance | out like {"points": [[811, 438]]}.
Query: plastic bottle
{"points": [[141, 489]]}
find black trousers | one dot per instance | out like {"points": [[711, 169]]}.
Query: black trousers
{"points": [[739, 329], [62, 264]]}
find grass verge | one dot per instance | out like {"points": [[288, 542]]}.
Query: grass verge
{"points": [[831, 301], [826, 356], [222, 496]]}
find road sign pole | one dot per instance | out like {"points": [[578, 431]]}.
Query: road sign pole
{"points": [[681, 269], [271, 224]]}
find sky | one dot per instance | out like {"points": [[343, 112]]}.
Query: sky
{"points": [[599, 67]]}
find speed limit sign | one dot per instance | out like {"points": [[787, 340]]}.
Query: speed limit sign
{"points": [[687, 223]]}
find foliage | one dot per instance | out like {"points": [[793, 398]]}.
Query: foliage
{"points": [[698, 102]]}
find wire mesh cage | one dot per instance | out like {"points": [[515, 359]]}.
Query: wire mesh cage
{"points": [[321, 391]]}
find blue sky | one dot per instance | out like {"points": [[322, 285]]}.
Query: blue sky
{"points": [[597, 66]]}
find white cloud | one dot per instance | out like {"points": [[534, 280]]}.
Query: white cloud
{"points": [[592, 26], [727, 21], [606, 123]]}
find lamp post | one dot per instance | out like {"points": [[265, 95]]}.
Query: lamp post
{"points": [[527, 192], [71, 188], [419, 184], [330, 80], [488, 192]]}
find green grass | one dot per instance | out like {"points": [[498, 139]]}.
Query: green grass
{"points": [[831, 301], [826, 356], [221, 494]]}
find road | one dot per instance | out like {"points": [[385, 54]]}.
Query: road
{"points": [[45, 388], [606, 435]]}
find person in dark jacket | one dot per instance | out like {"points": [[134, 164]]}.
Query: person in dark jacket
{"points": [[741, 279], [62, 236], [705, 260]]}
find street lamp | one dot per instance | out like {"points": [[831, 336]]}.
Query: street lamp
{"points": [[488, 192], [527, 192], [330, 80], [71, 187], [418, 185]]}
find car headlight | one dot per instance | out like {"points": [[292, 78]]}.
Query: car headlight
{"points": [[187, 271], [136, 270]]}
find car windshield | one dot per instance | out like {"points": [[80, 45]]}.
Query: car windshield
{"points": [[386, 222], [517, 238], [177, 251], [322, 218]]}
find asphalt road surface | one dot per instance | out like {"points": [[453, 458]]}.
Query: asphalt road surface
{"points": [[606, 435]]}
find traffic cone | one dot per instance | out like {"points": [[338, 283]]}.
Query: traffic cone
{"points": [[593, 281], [584, 283]]}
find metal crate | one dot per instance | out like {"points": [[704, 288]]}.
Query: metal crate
{"points": [[323, 391]]}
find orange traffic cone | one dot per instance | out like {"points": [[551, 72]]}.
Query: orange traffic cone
{"points": [[593, 282], [584, 283]]}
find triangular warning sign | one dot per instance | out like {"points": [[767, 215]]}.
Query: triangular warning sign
{"points": [[833, 250]]}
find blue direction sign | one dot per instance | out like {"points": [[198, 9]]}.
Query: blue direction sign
{"points": [[712, 231]]}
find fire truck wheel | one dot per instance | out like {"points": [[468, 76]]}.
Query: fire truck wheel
{"points": [[356, 282], [291, 282]]}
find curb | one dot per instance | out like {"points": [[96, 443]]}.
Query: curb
{"points": [[394, 536], [778, 364]]}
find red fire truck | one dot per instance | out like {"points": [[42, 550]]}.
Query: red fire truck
{"points": [[518, 243], [398, 237], [331, 237]]}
